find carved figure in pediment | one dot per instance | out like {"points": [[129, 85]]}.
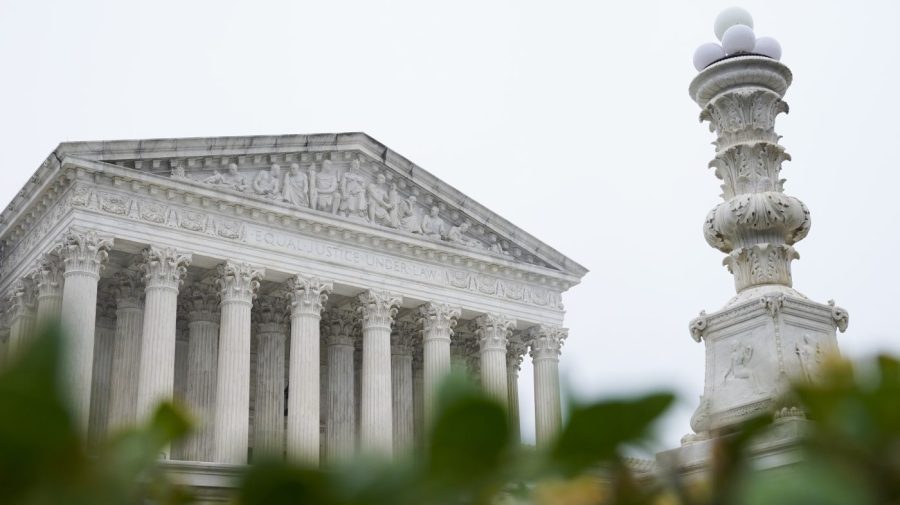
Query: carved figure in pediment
{"points": [[296, 187], [353, 191], [496, 247], [408, 215], [457, 235], [268, 183], [178, 172], [379, 203], [396, 200], [324, 193], [432, 224], [232, 180]]}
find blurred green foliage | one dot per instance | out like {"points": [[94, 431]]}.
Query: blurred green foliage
{"points": [[849, 454]]}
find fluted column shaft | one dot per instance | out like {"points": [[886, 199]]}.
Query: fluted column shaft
{"points": [[512, 381], [514, 354], [239, 283], [308, 296], [163, 271], [418, 400], [22, 315], [203, 345], [126, 361], [340, 408], [402, 396], [437, 322], [104, 340], [378, 309], [546, 342], [268, 425], [49, 282], [493, 331], [340, 425], [84, 254]]}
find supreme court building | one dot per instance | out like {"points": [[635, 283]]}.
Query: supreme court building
{"points": [[301, 294]]}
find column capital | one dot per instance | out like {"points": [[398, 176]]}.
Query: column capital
{"points": [[270, 314], [238, 281], [48, 275], [200, 301], [546, 340], [515, 352], [339, 327], [128, 288], [437, 317], [309, 294], [493, 330], [378, 308], [21, 299], [164, 267], [84, 251]]}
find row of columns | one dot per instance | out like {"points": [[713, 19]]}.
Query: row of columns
{"points": [[141, 357]]}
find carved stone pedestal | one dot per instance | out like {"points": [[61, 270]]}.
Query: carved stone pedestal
{"points": [[755, 348]]}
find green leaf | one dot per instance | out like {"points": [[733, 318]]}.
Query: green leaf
{"points": [[470, 440], [595, 432]]}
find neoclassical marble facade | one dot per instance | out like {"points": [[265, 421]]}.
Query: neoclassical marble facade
{"points": [[302, 294]]}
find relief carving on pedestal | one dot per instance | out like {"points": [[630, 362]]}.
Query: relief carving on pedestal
{"points": [[809, 355], [740, 369]]}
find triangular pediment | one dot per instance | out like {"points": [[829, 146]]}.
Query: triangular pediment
{"points": [[348, 176]]}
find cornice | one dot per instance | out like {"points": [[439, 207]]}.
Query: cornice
{"points": [[155, 153]]}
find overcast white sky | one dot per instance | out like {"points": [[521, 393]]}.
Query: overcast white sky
{"points": [[571, 119]]}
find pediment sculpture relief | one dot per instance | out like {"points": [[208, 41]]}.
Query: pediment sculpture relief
{"points": [[354, 192]]}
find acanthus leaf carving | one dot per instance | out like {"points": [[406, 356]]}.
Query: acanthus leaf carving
{"points": [[127, 287], [493, 330], [164, 267], [546, 341], [309, 294], [378, 308], [238, 281], [84, 251], [438, 318]]}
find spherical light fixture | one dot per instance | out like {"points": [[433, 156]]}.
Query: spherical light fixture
{"points": [[738, 39], [767, 46], [706, 54], [730, 17]]}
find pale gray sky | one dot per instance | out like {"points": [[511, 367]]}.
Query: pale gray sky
{"points": [[571, 119]]}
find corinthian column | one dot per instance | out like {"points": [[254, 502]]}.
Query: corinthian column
{"points": [[49, 282], [514, 355], [546, 342], [402, 387], [493, 332], [21, 314], [438, 320], [84, 253], [378, 309], [104, 339], [340, 418], [163, 270], [308, 296], [239, 283], [268, 425], [201, 301], [128, 291]]}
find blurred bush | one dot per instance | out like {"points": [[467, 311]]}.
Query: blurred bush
{"points": [[850, 454]]}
